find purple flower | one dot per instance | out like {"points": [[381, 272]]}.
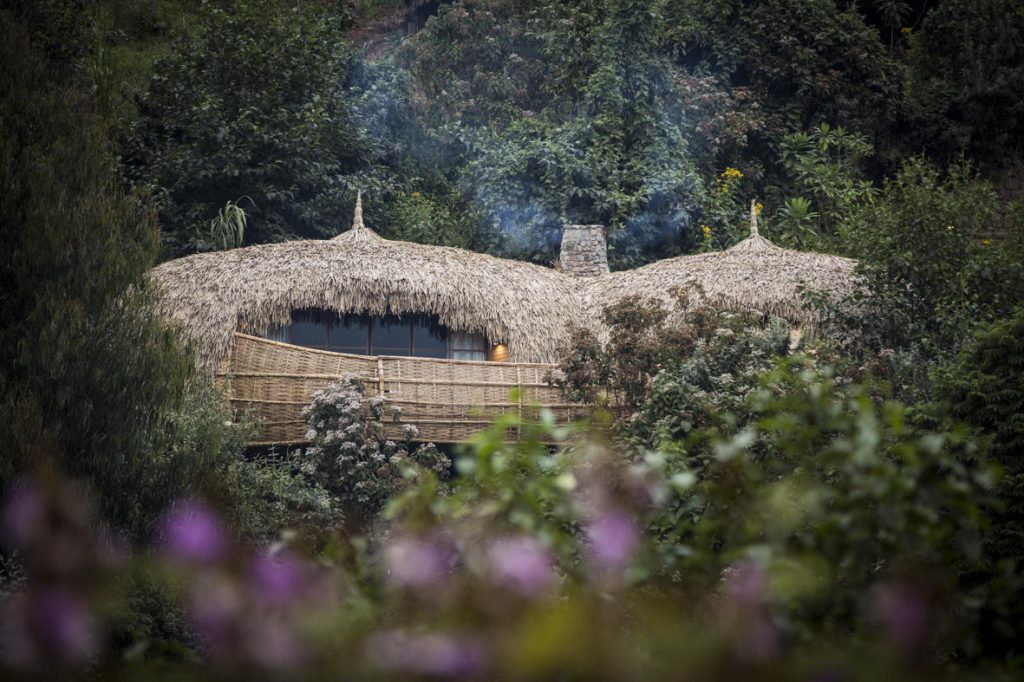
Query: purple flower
{"points": [[522, 564], [24, 513], [903, 613], [417, 563], [746, 583], [216, 605], [192, 533], [277, 580], [613, 539], [429, 654], [48, 629]]}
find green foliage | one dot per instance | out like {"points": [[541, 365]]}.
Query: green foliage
{"points": [[825, 164], [253, 103], [795, 223], [604, 142], [826, 483], [706, 389], [349, 457], [966, 81], [92, 380], [984, 387], [227, 230], [420, 218], [795, 65], [266, 499], [932, 269], [639, 343]]}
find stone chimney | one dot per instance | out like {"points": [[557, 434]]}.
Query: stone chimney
{"points": [[584, 250]]}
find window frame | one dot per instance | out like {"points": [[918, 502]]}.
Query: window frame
{"points": [[454, 342]]}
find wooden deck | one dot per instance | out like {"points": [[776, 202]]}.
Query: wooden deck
{"points": [[447, 400]]}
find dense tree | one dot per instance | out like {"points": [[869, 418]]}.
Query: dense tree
{"points": [[252, 107], [966, 81], [91, 381]]}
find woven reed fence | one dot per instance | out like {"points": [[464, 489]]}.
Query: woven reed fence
{"points": [[447, 400]]}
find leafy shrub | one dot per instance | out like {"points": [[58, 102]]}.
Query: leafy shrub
{"points": [[349, 456], [653, 352], [266, 499], [825, 163], [931, 267], [984, 387], [966, 81]]}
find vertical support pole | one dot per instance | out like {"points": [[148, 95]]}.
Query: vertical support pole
{"points": [[519, 393]]}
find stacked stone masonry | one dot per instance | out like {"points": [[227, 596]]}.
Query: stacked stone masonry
{"points": [[584, 250]]}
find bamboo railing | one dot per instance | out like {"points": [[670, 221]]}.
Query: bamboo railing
{"points": [[447, 400]]}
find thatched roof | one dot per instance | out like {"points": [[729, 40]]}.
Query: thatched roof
{"points": [[524, 306], [255, 288], [751, 275]]}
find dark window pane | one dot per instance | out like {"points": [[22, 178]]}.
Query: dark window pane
{"points": [[429, 338], [351, 334], [391, 351], [390, 334], [309, 329], [474, 342], [279, 333]]}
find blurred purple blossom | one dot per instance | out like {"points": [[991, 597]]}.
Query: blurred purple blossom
{"points": [[613, 539], [47, 629], [428, 654], [24, 512], [522, 564], [278, 579], [192, 533], [902, 611], [418, 563], [216, 605], [746, 583]]}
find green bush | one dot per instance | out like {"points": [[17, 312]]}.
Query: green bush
{"points": [[350, 458], [931, 266]]}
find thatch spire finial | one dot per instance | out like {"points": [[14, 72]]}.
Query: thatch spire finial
{"points": [[357, 219], [753, 217]]}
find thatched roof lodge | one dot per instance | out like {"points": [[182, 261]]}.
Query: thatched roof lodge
{"points": [[442, 333]]}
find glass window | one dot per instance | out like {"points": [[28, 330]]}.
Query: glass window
{"points": [[429, 338], [309, 329], [390, 335], [350, 334], [278, 333], [418, 335], [467, 347]]}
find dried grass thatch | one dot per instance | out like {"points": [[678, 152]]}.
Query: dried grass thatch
{"points": [[252, 289], [524, 306], [752, 275]]}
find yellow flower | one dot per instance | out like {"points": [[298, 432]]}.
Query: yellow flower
{"points": [[731, 173], [758, 207], [949, 228], [417, 194], [706, 230], [986, 242], [906, 30]]}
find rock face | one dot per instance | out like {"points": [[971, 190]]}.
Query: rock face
{"points": [[584, 250]]}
